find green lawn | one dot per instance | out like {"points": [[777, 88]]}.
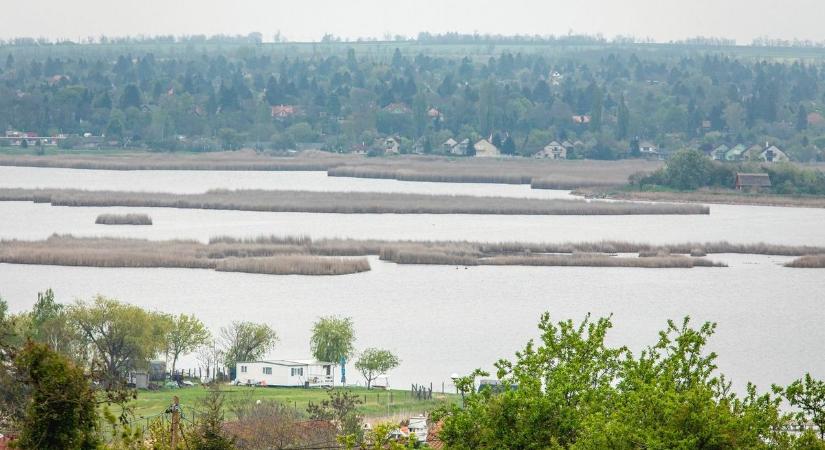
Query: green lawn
{"points": [[378, 402]]}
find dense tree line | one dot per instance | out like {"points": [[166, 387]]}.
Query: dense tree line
{"points": [[690, 169], [223, 99]]}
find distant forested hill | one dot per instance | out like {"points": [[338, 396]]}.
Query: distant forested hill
{"points": [[522, 94]]}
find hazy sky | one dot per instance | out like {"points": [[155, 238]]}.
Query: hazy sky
{"points": [[301, 20]]}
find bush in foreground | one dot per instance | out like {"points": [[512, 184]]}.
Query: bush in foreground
{"points": [[572, 390]]}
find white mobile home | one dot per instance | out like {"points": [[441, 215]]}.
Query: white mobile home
{"points": [[285, 373]]}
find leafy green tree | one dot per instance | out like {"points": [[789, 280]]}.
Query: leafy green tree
{"points": [[341, 409], [120, 337], [808, 394], [508, 147], [574, 391], [61, 414], [49, 324], [131, 97], [596, 108], [688, 170], [635, 150], [185, 334], [374, 362], [210, 433], [273, 93], [623, 120], [246, 341], [230, 139], [801, 118], [333, 340], [13, 394]]}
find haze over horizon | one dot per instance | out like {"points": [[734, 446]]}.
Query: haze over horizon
{"points": [[309, 20]]}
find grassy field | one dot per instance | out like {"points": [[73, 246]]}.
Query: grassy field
{"points": [[344, 202], [378, 402]]}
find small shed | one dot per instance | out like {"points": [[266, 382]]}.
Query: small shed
{"points": [[140, 379], [752, 181], [485, 149]]}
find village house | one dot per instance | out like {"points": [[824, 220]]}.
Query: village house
{"points": [[285, 373], [649, 149], [416, 426], [767, 153], [553, 150], [581, 119], [485, 149], [283, 111], [736, 153], [773, 154], [460, 149], [753, 152], [815, 119], [752, 181], [449, 145], [391, 146], [16, 138], [397, 108], [719, 152]]}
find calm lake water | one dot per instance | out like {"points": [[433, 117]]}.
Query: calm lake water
{"points": [[447, 319]]}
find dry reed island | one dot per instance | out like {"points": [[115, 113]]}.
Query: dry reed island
{"points": [[344, 202], [123, 219], [538, 173], [303, 256]]}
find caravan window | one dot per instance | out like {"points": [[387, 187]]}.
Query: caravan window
{"points": [[297, 371], [243, 369], [267, 370]]}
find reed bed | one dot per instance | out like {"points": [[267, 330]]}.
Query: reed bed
{"points": [[244, 160], [710, 196], [123, 219], [303, 256], [295, 265], [116, 252], [345, 202], [685, 248], [541, 174], [440, 256], [808, 262]]}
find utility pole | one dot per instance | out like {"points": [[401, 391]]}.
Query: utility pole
{"points": [[175, 409]]}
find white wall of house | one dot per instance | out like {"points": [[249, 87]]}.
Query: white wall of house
{"points": [[285, 373]]}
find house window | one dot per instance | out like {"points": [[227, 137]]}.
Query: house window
{"points": [[243, 369], [297, 371], [267, 370]]}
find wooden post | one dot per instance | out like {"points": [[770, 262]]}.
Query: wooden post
{"points": [[175, 421]]}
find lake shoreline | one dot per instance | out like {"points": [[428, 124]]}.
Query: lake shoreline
{"points": [[704, 197]]}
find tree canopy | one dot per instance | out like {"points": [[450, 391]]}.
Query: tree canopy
{"points": [[119, 337], [333, 339], [170, 98], [572, 390], [374, 362], [246, 341]]}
